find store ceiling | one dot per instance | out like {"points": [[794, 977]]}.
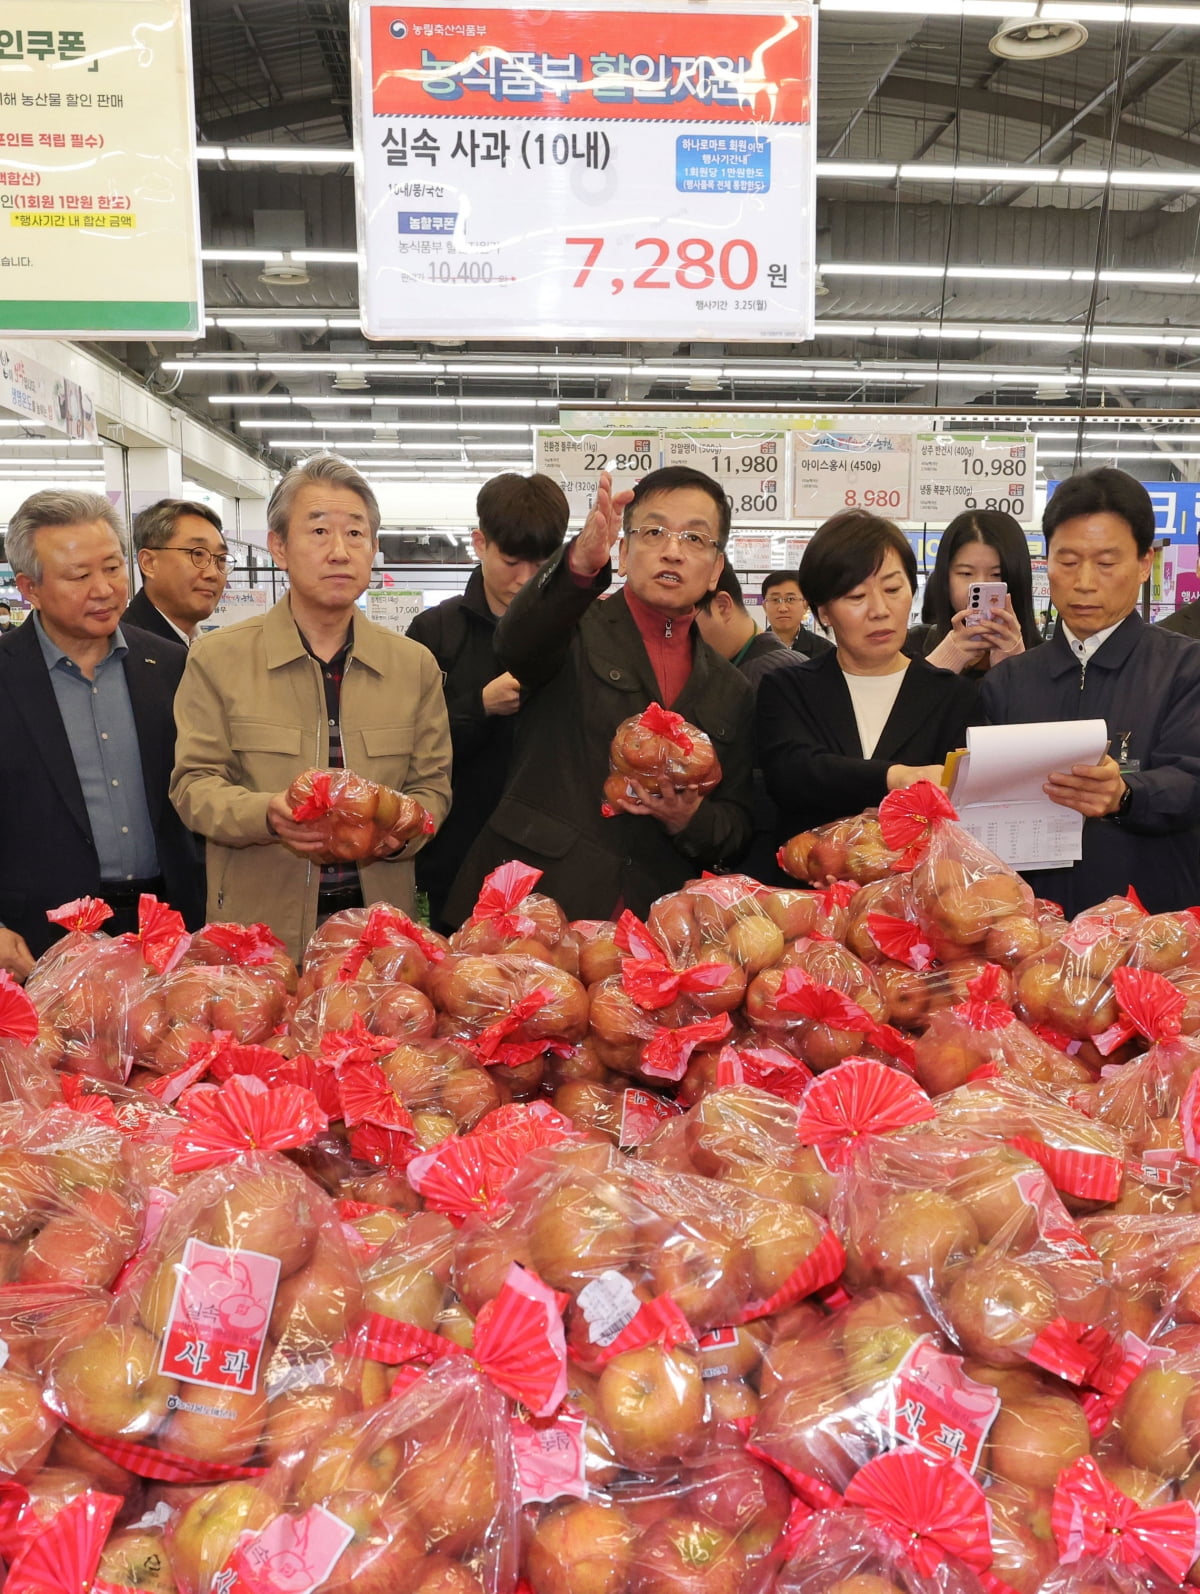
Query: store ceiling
{"points": [[1006, 277]]}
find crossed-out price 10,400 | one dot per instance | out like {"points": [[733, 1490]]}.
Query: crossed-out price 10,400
{"points": [[694, 263]]}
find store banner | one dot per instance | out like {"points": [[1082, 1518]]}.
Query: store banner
{"points": [[39, 395], [99, 224], [606, 171]]}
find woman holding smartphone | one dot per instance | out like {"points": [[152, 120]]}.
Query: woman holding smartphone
{"points": [[978, 547], [836, 733]]}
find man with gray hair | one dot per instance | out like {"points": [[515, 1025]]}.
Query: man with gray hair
{"points": [[86, 723], [181, 553], [311, 684]]}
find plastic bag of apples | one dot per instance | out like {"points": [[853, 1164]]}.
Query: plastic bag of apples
{"points": [[357, 816], [656, 750], [847, 849], [509, 916], [374, 945]]}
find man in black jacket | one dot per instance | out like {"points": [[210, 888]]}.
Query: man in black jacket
{"points": [[87, 724], [521, 522], [786, 610], [587, 666], [1141, 804], [181, 553]]}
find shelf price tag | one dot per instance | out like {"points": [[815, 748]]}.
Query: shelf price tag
{"points": [[569, 172], [751, 468], [837, 470], [957, 471], [575, 460]]}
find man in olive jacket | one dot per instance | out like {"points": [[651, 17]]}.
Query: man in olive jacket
{"points": [[589, 665], [312, 684]]}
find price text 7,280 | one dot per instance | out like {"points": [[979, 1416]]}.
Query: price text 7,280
{"points": [[696, 264]]}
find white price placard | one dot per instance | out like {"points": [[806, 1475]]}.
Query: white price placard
{"points": [[575, 460], [752, 469], [957, 471], [623, 171], [245, 604], [752, 552], [390, 607], [850, 469], [99, 217]]}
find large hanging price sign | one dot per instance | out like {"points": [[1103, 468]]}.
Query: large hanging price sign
{"points": [[958, 471], [575, 460], [865, 469], [575, 172], [752, 470]]}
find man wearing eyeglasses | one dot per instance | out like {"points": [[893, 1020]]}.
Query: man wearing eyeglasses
{"points": [[586, 666], [786, 611], [182, 557]]}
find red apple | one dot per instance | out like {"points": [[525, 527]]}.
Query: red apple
{"points": [[584, 1547], [652, 1403]]}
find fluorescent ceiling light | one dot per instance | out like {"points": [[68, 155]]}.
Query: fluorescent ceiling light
{"points": [[394, 426], [281, 367], [879, 269], [249, 398], [678, 373], [1013, 273], [286, 322], [450, 448], [876, 171], [325, 257], [242, 254], [918, 171], [625, 369], [46, 442], [1148, 276], [208, 365], [1029, 335], [210, 152], [287, 155]]}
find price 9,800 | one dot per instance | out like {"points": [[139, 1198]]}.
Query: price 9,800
{"points": [[695, 263]]}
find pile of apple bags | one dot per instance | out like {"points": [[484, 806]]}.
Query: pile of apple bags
{"points": [[795, 1239]]}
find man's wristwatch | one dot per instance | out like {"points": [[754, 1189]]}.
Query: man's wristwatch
{"points": [[1125, 804]]}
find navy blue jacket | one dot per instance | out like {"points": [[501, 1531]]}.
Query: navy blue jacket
{"points": [[1144, 682]]}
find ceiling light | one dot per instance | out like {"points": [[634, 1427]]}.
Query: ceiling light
{"points": [[624, 369], [201, 366], [325, 257], [876, 171], [287, 155], [881, 269], [1152, 277], [249, 398], [917, 171], [308, 323], [284, 274], [1013, 273], [256, 256], [458, 368], [1037, 38]]}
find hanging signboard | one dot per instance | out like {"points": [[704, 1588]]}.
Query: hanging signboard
{"points": [[957, 471], [855, 468], [575, 460], [585, 171], [752, 470], [98, 196]]}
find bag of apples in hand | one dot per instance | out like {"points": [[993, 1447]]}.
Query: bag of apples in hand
{"points": [[966, 900], [418, 1495], [83, 986], [975, 1231], [657, 749], [217, 1352], [360, 819]]}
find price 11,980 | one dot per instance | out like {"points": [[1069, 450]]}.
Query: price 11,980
{"points": [[694, 263]]}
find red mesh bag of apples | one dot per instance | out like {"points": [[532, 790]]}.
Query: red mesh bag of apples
{"points": [[975, 1231], [217, 1352], [356, 816], [659, 751], [419, 1494], [370, 944]]}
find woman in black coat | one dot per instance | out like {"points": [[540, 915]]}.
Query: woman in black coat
{"points": [[837, 733]]}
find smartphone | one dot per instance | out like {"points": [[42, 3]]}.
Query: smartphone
{"points": [[985, 600]]}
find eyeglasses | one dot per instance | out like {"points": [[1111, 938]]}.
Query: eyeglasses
{"points": [[773, 597], [201, 557], [689, 541]]}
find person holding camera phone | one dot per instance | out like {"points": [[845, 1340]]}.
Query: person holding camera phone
{"points": [[978, 606]]}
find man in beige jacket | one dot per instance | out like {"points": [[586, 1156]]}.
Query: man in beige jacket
{"points": [[311, 684]]}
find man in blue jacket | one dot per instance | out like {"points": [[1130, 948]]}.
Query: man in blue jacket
{"points": [[1141, 804]]}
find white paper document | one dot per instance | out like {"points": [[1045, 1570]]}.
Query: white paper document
{"points": [[997, 789]]}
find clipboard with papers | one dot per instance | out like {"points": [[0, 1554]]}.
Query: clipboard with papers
{"points": [[996, 782]]}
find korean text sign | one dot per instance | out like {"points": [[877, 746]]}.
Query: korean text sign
{"points": [[585, 173]]}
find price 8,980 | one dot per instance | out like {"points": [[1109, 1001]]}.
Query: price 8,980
{"points": [[693, 264]]}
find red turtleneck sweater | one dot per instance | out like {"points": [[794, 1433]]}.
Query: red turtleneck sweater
{"points": [[668, 642]]}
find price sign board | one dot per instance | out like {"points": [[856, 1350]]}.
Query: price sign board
{"points": [[751, 552], [752, 470], [957, 471], [100, 218], [390, 607], [836, 470], [575, 460], [622, 171]]}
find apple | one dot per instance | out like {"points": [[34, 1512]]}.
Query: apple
{"points": [[109, 1383], [1151, 1420], [387, 1543], [687, 1554], [997, 1308], [1032, 1440], [705, 1269], [865, 1583], [583, 1228], [916, 1234], [736, 1354], [482, 1258], [72, 1454], [731, 1400], [137, 1558], [452, 1488], [222, 1425], [317, 1305], [652, 1402], [985, 1182], [26, 1195], [27, 1429], [203, 1537], [344, 1460], [72, 1249], [779, 1238], [440, 1574], [876, 1332], [265, 1210], [295, 1416], [742, 1495], [585, 1547], [404, 1288]]}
